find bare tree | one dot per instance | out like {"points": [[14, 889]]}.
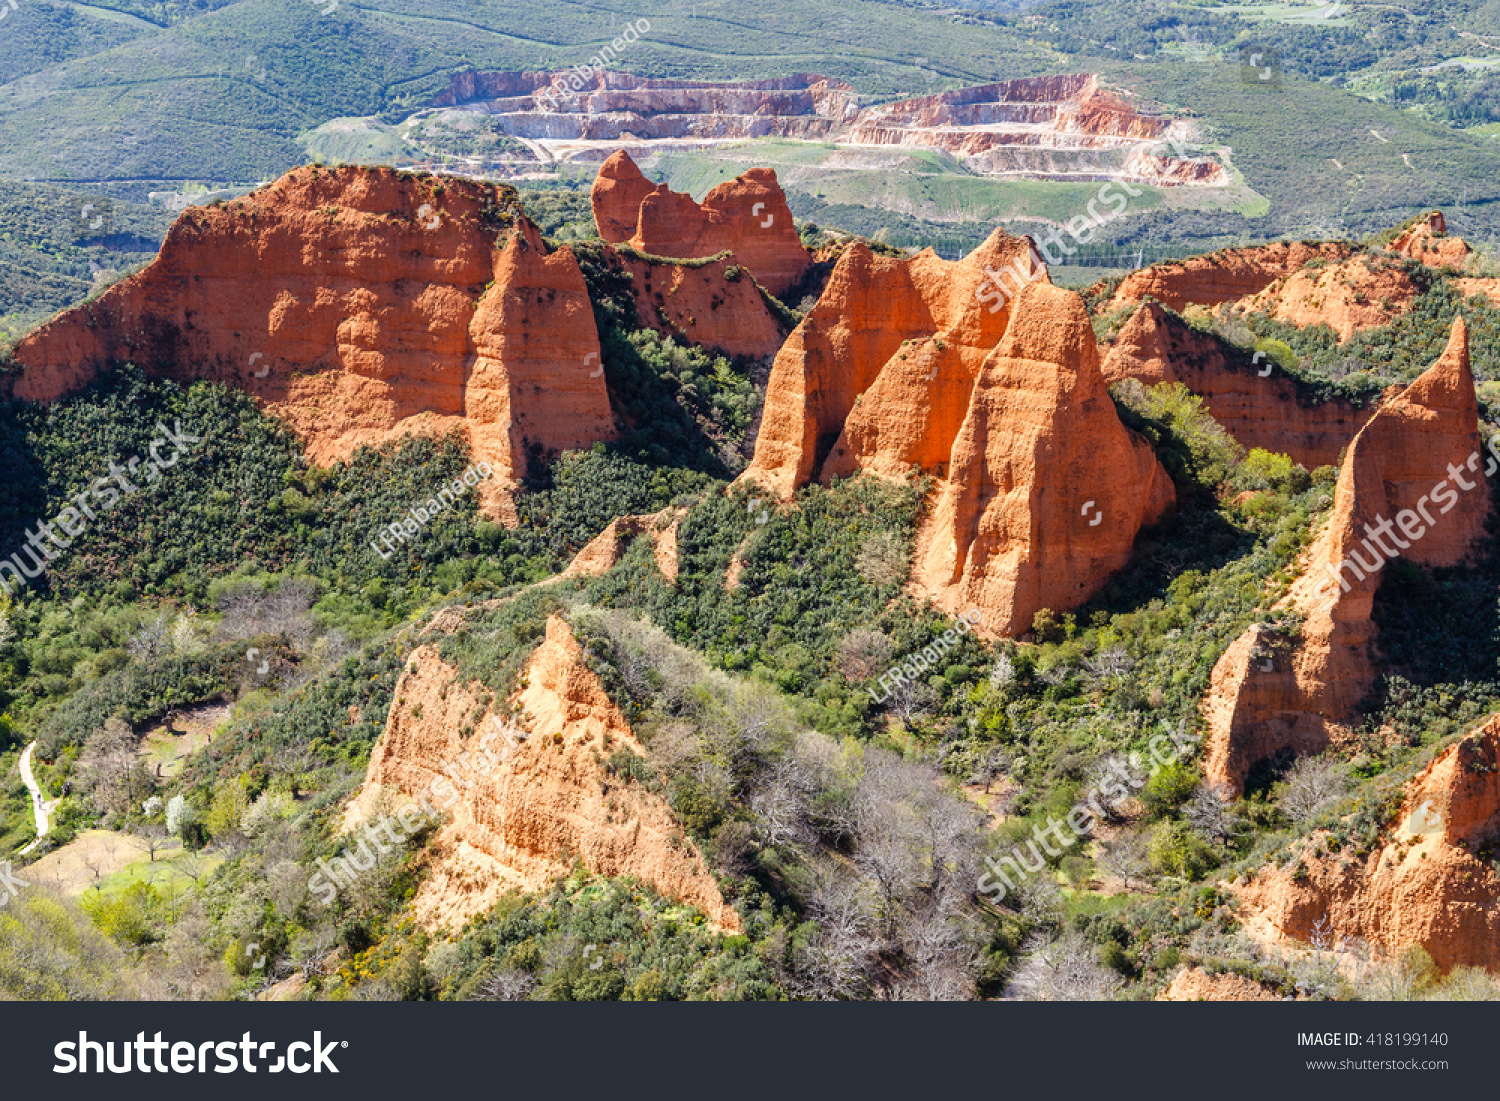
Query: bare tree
{"points": [[863, 653], [1126, 858], [779, 804], [883, 558], [1209, 815], [1106, 667], [911, 699], [153, 640], [153, 835], [1312, 785], [993, 761], [109, 769], [1070, 971], [509, 984]]}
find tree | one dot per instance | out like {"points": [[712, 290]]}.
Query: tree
{"points": [[1312, 785], [110, 771], [1208, 813], [862, 654], [179, 815], [1069, 971], [910, 699], [883, 558], [1126, 858], [153, 834]]}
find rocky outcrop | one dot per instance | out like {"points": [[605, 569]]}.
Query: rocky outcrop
{"points": [[1302, 283], [1364, 292], [1046, 489], [1266, 410], [1228, 275], [1430, 881], [1427, 240], [1413, 484], [551, 800], [606, 549], [878, 374], [616, 197], [715, 304], [358, 305], [747, 216], [1064, 126], [1194, 984]]}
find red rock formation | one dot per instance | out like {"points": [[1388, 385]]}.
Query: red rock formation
{"points": [[878, 374], [1046, 488], [549, 801], [1194, 984], [616, 197], [1269, 412], [1228, 275], [352, 303], [1427, 240], [747, 216], [1301, 284], [715, 304], [1427, 885], [1400, 469]]}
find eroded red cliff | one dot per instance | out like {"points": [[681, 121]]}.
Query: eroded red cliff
{"points": [[1046, 489], [550, 801], [747, 216], [1401, 491], [1257, 405], [358, 305], [1428, 881]]}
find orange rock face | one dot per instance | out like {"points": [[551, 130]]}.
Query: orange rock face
{"points": [[616, 197], [1428, 241], [1224, 276], [1046, 488], [1426, 885], [747, 216], [1269, 412], [549, 800], [1300, 283], [1400, 491], [710, 304], [1194, 984], [352, 303], [878, 374]]}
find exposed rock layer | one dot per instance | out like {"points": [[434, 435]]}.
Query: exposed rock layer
{"points": [[1036, 126], [1428, 883], [1268, 410], [358, 305], [1408, 466], [551, 800]]}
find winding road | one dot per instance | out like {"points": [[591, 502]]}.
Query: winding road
{"points": [[38, 808]]}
